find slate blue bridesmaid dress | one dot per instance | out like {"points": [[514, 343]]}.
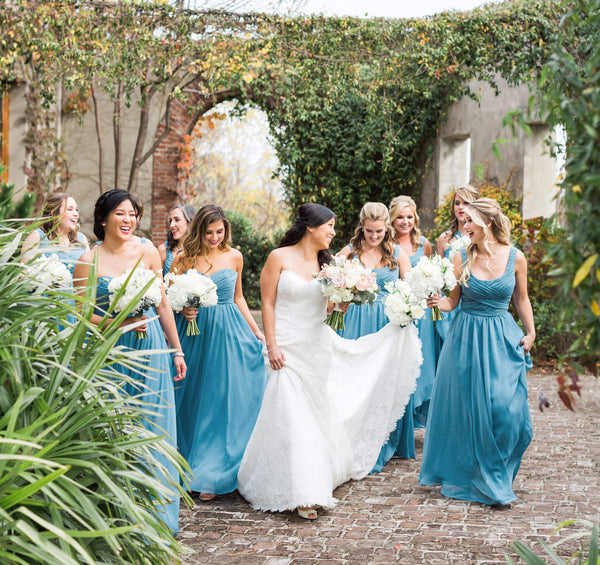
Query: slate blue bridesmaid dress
{"points": [[364, 320], [430, 350], [220, 398], [168, 260], [479, 424], [67, 256], [159, 379], [442, 326]]}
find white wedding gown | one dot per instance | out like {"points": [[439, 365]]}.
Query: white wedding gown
{"points": [[327, 413]]}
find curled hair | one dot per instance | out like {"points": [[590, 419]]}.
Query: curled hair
{"points": [[52, 210], [188, 213], [309, 215], [194, 244], [375, 211], [482, 212], [468, 194], [108, 202], [396, 206]]}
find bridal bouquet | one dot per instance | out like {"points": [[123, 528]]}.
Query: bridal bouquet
{"points": [[191, 289], [124, 289], [430, 276], [401, 304], [346, 281], [48, 272], [460, 242]]}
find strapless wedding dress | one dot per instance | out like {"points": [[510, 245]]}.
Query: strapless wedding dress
{"points": [[326, 414]]}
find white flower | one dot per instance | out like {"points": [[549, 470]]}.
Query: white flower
{"points": [[138, 279], [48, 272], [190, 289], [460, 242], [348, 281], [401, 304], [430, 276]]}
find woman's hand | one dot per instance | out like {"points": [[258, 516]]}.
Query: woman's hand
{"points": [[527, 343], [189, 313], [180, 367], [260, 337], [434, 300], [343, 307], [276, 358], [127, 324]]}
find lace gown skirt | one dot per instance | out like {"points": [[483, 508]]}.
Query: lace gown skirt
{"points": [[326, 414]]}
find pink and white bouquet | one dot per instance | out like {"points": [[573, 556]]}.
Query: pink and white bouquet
{"points": [[191, 289], [460, 242], [430, 276], [47, 272], [124, 289], [401, 304], [346, 281]]}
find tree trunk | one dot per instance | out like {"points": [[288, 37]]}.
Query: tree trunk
{"points": [[99, 137]]}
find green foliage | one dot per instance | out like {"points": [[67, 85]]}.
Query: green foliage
{"points": [[589, 557], [510, 205], [11, 208], [570, 96], [255, 246], [74, 454]]}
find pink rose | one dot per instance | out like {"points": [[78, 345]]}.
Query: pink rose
{"points": [[363, 283]]}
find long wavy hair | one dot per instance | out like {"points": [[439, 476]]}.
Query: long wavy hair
{"points": [[309, 215], [188, 213], [194, 244], [52, 210], [375, 211], [482, 212], [396, 206], [468, 194]]}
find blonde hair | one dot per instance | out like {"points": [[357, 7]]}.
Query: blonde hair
{"points": [[467, 194], [375, 211], [482, 212], [399, 203]]}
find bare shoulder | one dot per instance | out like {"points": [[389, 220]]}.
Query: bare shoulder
{"points": [[162, 248], [520, 259], [345, 251]]}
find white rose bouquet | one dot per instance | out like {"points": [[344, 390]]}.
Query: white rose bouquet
{"points": [[48, 272], [460, 242], [192, 289], [124, 289], [346, 281], [401, 304], [430, 276]]}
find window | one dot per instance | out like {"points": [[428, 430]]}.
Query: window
{"points": [[454, 164]]}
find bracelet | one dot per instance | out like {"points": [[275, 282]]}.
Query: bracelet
{"points": [[272, 349], [179, 354]]}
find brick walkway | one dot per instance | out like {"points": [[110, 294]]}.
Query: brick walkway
{"points": [[389, 518]]}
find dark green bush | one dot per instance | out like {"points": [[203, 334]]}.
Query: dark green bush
{"points": [[255, 247]]}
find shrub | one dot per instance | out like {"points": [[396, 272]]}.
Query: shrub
{"points": [[74, 481], [255, 246], [11, 208]]}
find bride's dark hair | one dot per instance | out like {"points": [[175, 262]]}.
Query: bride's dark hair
{"points": [[309, 215]]}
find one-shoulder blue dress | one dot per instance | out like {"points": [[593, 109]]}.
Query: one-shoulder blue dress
{"points": [[159, 381], [479, 424], [364, 320], [430, 350], [220, 399], [168, 260]]}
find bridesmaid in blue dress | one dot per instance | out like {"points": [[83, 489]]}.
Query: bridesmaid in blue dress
{"points": [[59, 234], [479, 424], [179, 219], [461, 198], [116, 216], [405, 221], [219, 402], [374, 244]]}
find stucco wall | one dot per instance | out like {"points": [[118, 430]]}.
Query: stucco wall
{"points": [[16, 134]]}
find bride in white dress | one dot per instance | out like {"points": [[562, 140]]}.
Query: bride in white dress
{"points": [[330, 403]]}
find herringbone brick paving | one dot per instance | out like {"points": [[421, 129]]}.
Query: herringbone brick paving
{"points": [[388, 518]]}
